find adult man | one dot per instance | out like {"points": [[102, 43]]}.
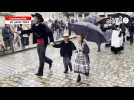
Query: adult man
{"points": [[123, 30], [42, 33], [131, 31], [8, 37]]}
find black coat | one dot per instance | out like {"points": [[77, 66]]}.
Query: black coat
{"points": [[123, 27], [6, 33], [66, 48], [131, 27], [40, 31]]}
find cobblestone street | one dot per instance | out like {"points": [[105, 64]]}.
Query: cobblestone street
{"points": [[107, 69]]}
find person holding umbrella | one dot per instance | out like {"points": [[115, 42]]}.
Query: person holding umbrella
{"points": [[42, 33], [82, 62]]}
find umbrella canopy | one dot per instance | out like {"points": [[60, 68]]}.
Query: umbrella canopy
{"points": [[91, 31], [118, 15], [103, 21], [90, 19]]}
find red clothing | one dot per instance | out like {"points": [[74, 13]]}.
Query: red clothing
{"points": [[40, 41]]}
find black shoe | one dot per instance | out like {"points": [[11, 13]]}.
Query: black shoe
{"points": [[71, 69], [39, 74], [131, 44], [87, 74], [78, 78], [65, 71], [98, 50]]}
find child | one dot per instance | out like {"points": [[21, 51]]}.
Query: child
{"points": [[66, 48], [82, 61]]}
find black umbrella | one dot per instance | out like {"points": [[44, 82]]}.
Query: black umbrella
{"points": [[103, 21], [116, 15], [92, 32]]}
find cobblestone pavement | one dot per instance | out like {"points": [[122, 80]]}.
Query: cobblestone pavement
{"points": [[107, 69]]}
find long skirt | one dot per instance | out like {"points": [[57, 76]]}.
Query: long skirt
{"points": [[81, 63], [116, 50]]}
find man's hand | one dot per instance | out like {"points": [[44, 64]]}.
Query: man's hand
{"points": [[75, 51]]}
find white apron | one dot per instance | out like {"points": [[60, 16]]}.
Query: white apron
{"points": [[116, 41], [81, 64]]}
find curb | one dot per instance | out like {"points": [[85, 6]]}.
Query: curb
{"points": [[17, 51]]}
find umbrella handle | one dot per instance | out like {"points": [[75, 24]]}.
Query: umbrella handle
{"points": [[99, 47]]}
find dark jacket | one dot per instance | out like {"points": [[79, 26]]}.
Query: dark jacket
{"points": [[40, 31], [6, 33], [131, 27], [123, 27], [66, 48], [86, 49]]}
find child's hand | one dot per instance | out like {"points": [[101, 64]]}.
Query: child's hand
{"points": [[52, 44], [76, 51]]}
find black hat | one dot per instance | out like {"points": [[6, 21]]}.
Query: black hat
{"points": [[39, 16]]}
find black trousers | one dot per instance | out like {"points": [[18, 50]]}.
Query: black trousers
{"points": [[67, 63], [131, 37], [22, 42], [124, 36], [9, 42], [41, 49]]}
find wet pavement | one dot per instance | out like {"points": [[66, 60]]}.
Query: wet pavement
{"points": [[107, 69]]}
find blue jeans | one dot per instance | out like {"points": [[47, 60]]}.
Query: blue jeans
{"points": [[67, 63]]}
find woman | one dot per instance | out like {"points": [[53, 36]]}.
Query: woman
{"points": [[82, 62], [117, 40]]}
